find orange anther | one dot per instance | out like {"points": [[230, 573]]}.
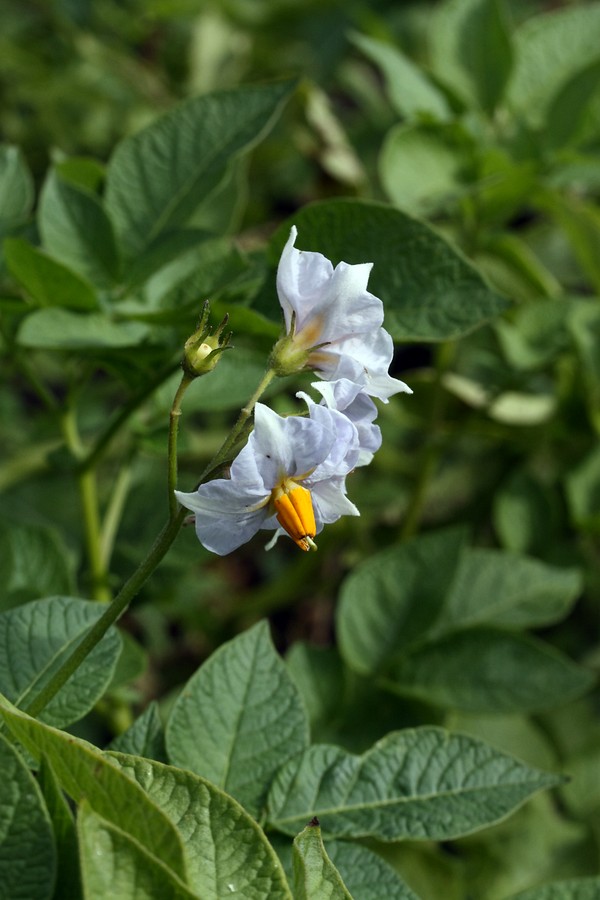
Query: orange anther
{"points": [[295, 513]]}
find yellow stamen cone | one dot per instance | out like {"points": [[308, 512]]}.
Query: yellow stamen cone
{"points": [[295, 513]]}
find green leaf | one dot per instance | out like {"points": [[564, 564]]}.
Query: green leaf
{"points": [[48, 282], [584, 325], [68, 878], [16, 186], [315, 876], [583, 492], [238, 737], [422, 783], [36, 639], [59, 329], [172, 257], [470, 49], [226, 850], [580, 222], [365, 874], [550, 49], [429, 290], [411, 92], [508, 589], [319, 675], [536, 334], [395, 597], [82, 171], [145, 737], [27, 852], [573, 889], [33, 562], [87, 774], [113, 864], [160, 176], [412, 148], [568, 111], [527, 513], [178, 284], [581, 794], [490, 670], [76, 231]]}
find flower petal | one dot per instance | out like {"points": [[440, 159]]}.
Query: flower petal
{"points": [[225, 516], [330, 502], [286, 447], [365, 361], [343, 454], [351, 399], [329, 304]]}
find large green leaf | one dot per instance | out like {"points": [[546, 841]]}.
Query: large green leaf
{"points": [[315, 876], [33, 562], [226, 851], [76, 231], [471, 49], [550, 49], [158, 178], [47, 281], [411, 92], [113, 864], [486, 669], [574, 889], [27, 852], [180, 269], [422, 783], [68, 880], [36, 639], [429, 289], [365, 874], [239, 718], [395, 597], [508, 589], [16, 186], [60, 329], [87, 774]]}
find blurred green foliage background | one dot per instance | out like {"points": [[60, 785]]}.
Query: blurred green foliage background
{"points": [[494, 140]]}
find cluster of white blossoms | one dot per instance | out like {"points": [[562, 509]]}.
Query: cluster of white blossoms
{"points": [[291, 475]]}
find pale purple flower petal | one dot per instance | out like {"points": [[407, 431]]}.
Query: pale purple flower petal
{"points": [[333, 308], [351, 399], [306, 452]]}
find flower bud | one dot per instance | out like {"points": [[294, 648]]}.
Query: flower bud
{"points": [[202, 351]]}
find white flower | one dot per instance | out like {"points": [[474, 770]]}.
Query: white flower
{"points": [[290, 475], [350, 399], [330, 313]]}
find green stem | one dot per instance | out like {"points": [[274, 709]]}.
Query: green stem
{"points": [[245, 413], [112, 613], [134, 584], [88, 493], [113, 513], [93, 542], [174, 417]]}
